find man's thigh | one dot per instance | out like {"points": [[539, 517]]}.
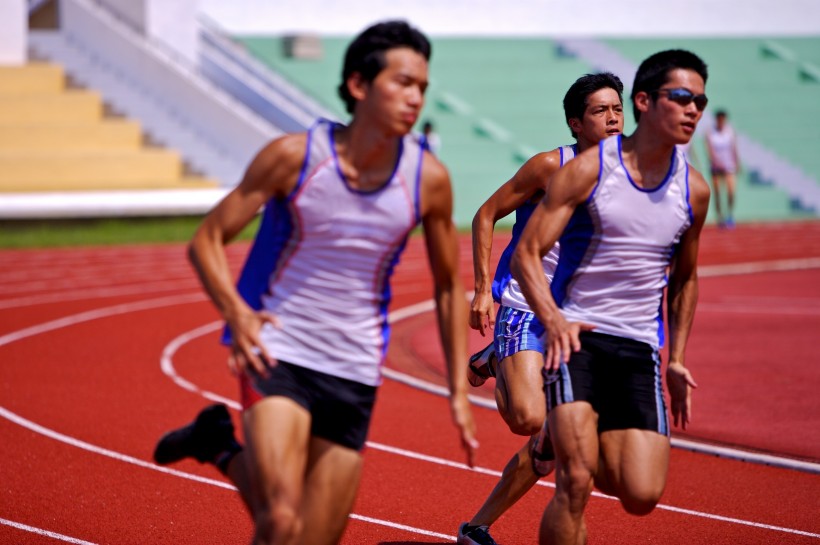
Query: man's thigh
{"points": [[331, 484], [520, 378], [634, 463], [277, 433]]}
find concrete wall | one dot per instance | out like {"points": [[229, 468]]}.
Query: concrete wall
{"points": [[13, 32], [171, 22], [559, 18]]}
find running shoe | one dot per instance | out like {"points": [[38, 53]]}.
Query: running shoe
{"points": [[474, 535], [482, 365], [542, 453], [204, 439]]}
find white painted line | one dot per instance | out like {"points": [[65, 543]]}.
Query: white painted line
{"points": [[46, 533], [777, 265], [404, 527]]}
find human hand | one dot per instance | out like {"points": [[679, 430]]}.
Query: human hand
{"points": [[562, 340], [482, 312], [462, 415], [247, 350], [679, 382]]}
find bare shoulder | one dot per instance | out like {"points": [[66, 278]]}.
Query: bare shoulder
{"points": [[435, 179], [699, 192], [539, 168], [576, 179], [276, 167]]}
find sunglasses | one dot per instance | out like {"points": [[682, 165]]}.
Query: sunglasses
{"points": [[684, 97]]}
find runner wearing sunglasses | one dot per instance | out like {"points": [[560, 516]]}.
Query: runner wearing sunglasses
{"points": [[628, 214]]}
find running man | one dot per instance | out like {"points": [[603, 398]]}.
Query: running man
{"points": [[628, 214], [593, 107], [308, 323]]}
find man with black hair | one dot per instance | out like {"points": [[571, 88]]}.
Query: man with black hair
{"points": [[308, 324], [593, 108], [628, 215]]}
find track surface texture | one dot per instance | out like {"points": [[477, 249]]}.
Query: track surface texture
{"points": [[104, 349]]}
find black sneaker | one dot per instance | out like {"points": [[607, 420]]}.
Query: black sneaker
{"points": [[474, 535], [204, 439], [542, 453], [482, 364]]}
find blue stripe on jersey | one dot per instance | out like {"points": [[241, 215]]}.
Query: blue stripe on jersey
{"points": [[660, 403], [575, 242], [502, 272], [387, 293], [271, 240], [418, 187], [688, 202]]}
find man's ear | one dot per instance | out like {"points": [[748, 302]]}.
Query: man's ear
{"points": [[642, 101], [575, 125], [357, 86]]}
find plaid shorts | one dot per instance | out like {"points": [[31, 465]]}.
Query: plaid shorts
{"points": [[517, 330]]}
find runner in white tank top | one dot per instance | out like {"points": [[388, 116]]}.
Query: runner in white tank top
{"points": [[308, 326], [617, 246], [329, 252], [593, 108], [627, 214]]}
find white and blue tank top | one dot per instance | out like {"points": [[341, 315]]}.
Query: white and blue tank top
{"points": [[506, 290], [617, 247], [323, 258]]}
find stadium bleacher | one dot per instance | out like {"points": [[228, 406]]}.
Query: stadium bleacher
{"points": [[496, 101], [57, 138]]}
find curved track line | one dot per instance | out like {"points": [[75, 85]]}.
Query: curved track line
{"points": [[188, 298], [83, 445], [168, 367], [46, 533], [96, 314], [760, 266]]}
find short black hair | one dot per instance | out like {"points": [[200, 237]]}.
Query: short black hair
{"points": [[575, 101], [366, 53], [653, 72]]}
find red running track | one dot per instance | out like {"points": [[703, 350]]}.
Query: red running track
{"points": [[104, 349]]}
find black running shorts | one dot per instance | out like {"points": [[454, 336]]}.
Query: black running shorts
{"points": [[619, 377], [340, 409]]}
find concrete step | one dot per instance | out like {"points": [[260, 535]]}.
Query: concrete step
{"points": [[37, 170], [32, 78], [70, 106], [108, 134]]}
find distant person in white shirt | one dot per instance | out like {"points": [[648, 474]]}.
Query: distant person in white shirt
{"points": [[724, 161], [430, 140]]}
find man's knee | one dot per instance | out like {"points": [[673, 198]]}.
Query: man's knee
{"points": [[525, 420], [641, 502], [278, 523], [576, 485]]}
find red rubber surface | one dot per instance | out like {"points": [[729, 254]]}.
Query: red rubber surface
{"points": [[84, 398]]}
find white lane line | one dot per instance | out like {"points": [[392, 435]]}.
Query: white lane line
{"points": [[28, 424], [168, 368], [777, 265], [404, 527], [46, 533], [98, 313], [168, 301]]}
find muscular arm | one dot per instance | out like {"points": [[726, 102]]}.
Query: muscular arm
{"points": [[682, 296], [531, 178], [570, 186], [271, 173], [451, 307]]}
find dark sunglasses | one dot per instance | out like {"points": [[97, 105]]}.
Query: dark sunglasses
{"points": [[684, 97]]}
